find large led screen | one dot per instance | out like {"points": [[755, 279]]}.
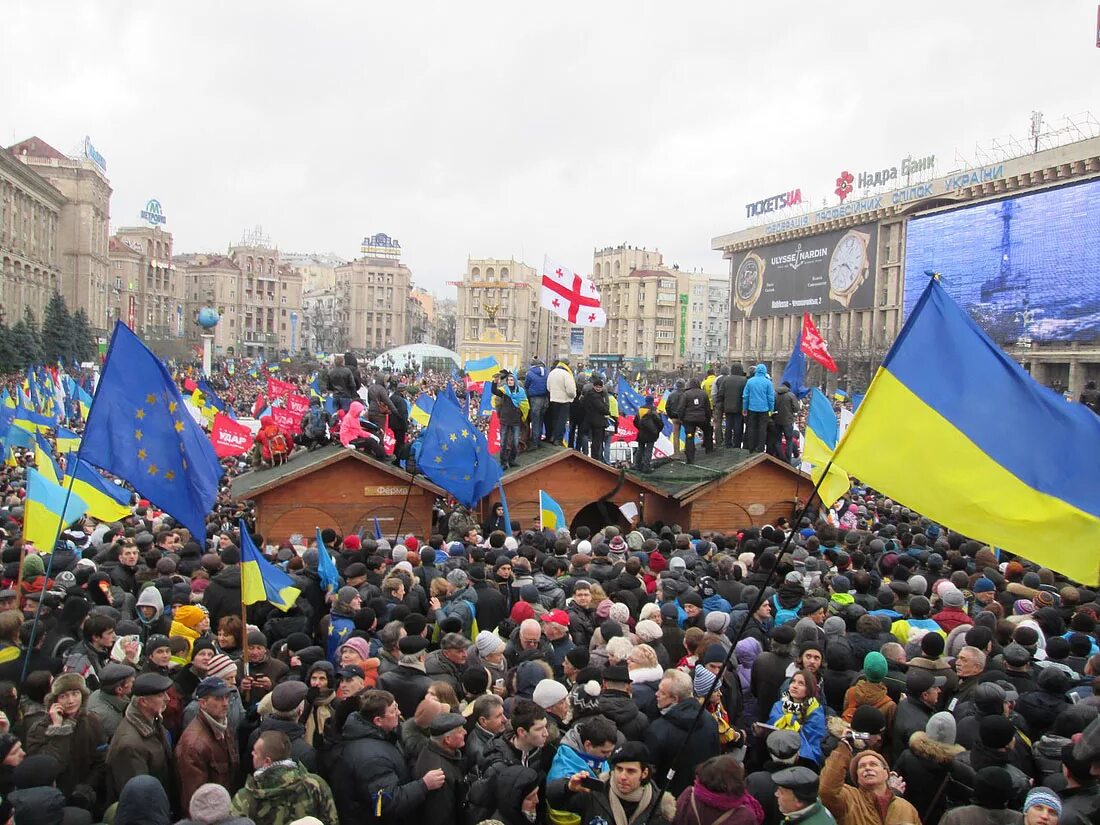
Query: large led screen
{"points": [[1025, 268]]}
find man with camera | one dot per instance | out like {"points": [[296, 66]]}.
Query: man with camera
{"points": [[878, 792]]}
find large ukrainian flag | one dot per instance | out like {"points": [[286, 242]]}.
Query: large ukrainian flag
{"points": [[261, 581], [955, 429], [822, 432]]}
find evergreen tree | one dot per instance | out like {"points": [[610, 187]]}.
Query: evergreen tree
{"points": [[57, 332], [83, 342], [34, 338]]}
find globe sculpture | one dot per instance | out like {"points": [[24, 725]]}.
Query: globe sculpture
{"points": [[208, 318]]}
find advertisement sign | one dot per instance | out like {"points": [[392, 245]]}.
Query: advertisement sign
{"points": [[576, 341], [381, 245], [229, 437], [831, 272], [775, 203], [1024, 268], [91, 154], [131, 311]]}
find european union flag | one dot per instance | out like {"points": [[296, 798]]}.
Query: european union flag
{"points": [[629, 398], [139, 430], [455, 455]]}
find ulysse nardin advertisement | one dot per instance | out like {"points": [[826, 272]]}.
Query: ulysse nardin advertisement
{"points": [[831, 272]]}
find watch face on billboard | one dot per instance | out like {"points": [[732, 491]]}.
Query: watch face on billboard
{"points": [[829, 272], [1024, 268]]}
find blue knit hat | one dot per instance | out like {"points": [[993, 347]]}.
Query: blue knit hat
{"points": [[1043, 796], [704, 680], [984, 585]]}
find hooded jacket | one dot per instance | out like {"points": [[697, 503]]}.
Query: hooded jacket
{"points": [[670, 746], [350, 428], [535, 381], [46, 806], [728, 391], [694, 404], [283, 793], [787, 406], [759, 394], [925, 765], [561, 385], [223, 595]]}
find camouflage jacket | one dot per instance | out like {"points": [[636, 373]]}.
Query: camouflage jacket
{"points": [[283, 793]]}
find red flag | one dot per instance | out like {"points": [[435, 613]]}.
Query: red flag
{"points": [[189, 385], [229, 437], [813, 344], [297, 404], [494, 434], [287, 421], [625, 430], [258, 405], [278, 389]]}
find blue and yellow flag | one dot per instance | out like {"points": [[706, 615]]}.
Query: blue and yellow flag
{"points": [[955, 429], [326, 567], [44, 460], [262, 581], [551, 514], [455, 455], [482, 369], [106, 500], [46, 511], [212, 399], [139, 430], [67, 440], [822, 431], [421, 411]]}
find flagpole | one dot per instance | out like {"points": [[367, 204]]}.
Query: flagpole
{"points": [[404, 509]]}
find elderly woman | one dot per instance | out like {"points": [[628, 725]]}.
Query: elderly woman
{"points": [[74, 737], [645, 677]]}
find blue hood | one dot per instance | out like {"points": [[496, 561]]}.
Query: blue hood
{"points": [[760, 370]]}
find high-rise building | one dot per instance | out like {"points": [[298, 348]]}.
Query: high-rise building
{"points": [[82, 225], [30, 220], [373, 308], [500, 297], [145, 290]]}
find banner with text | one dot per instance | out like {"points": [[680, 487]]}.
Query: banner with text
{"points": [[278, 389], [830, 272], [287, 421], [229, 437]]}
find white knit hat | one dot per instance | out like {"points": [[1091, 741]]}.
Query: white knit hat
{"points": [[487, 643], [548, 693]]}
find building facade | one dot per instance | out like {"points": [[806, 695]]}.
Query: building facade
{"points": [[30, 223], [322, 331], [373, 309], [145, 290], [82, 226], [258, 298], [874, 231], [498, 313]]}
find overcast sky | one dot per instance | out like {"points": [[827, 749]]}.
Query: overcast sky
{"points": [[519, 129]]}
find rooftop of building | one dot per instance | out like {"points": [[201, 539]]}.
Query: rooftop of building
{"points": [[35, 147]]}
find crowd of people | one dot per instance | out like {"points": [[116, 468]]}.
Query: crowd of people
{"points": [[861, 666]]}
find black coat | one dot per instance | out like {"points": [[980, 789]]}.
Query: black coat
{"points": [[926, 766], [444, 805], [911, 716], [223, 595], [694, 406], [730, 393], [342, 381], [595, 808], [365, 762], [670, 746], [596, 408], [408, 685], [769, 671], [492, 605], [625, 713]]}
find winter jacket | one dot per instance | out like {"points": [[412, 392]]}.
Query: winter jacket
{"points": [[595, 808], [596, 408], [223, 596], [649, 424], [912, 717], [378, 401], [43, 805], [759, 394], [693, 811], [869, 693], [671, 747], [350, 428], [926, 767], [507, 403], [949, 618], [977, 815], [694, 406], [853, 806], [492, 605], [301, 749], [445, 804], [109, 708], [283, 793], [561, 385], [787, 406], [535, 381], [204, 755], [140, 746], [729, 391], [369, 762], [79, 745], [408, 684], [1080, 806], [810, 727], [625, 713], [341, 381]]}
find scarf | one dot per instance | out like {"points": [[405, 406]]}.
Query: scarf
{"points": [[795, 713], [727, 802], [219, 728], [643, 796]]}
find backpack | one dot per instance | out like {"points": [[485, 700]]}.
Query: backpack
{"points": [[314, 424], [783, 615]]}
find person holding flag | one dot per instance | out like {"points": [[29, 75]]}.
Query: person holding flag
{"points": [[512, 405]]}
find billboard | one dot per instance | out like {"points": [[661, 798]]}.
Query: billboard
{"points": [[1025, 268], [830, 272]]}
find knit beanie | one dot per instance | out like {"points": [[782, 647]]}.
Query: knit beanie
{"points": [[210, 804], [874, 667], [1043, 796], [222, 667], [548, 693], [704, 681]]}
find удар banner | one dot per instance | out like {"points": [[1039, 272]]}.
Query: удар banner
{"points": [[831, 272]]}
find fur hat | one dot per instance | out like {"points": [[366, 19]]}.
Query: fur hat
{"points": [[64, 682]]}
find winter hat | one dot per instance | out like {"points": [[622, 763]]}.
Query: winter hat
{"points": [[1043, 796], [222, 667], [840, 584], [677, 564], [650, 631], [585, 699], [853, 766], [868, 719], [603, 610], [874, 667], [984, 585], [953, 597], [578, 657], [210, 804], [717, 621], [996, 731], [32, 567], [345, 595], [941, 728], [488, 643], [619, 612], [358, 644], [993, 788], [918, 585], [548, 693], [704, 681], [63, 683]]}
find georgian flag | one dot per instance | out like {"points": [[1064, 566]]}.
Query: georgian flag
{"points": [[572, 297]]}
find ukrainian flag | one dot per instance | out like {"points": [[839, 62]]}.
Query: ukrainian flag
{"points": [[46, 512], [553, 517], [955, 429], [421, 410], [483, 369], [106, 500], [261, 581], [67, 440], [822, 432], [44, 460]]}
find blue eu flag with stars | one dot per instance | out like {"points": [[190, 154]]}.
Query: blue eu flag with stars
{"points": [[139, 430], [455, 455]]}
